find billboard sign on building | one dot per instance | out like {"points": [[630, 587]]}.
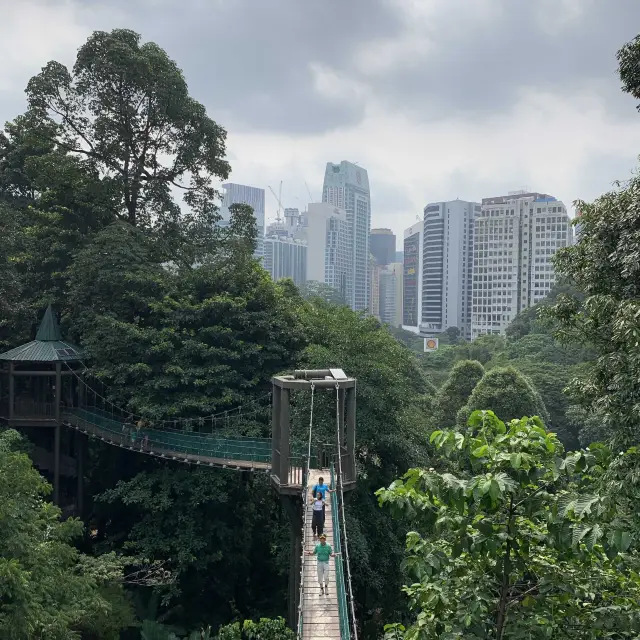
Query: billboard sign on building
{"points": [[410, 280], [430, 344]]}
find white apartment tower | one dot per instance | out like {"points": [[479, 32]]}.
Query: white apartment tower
{"points": [[412, 277], [243, 194], [285, 257], [447, 265], [515, 238], [326, 231], [346, 185]]}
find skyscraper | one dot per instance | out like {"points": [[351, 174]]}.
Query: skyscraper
{"points": [[447, 265], [390, 294], [515, 238], [382, 245], [326, 231], [346, 186], [243, 194], [412, 276], [285, 257]]}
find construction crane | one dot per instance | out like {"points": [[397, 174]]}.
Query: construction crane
{"points": [[308, 191], [278, 198]]}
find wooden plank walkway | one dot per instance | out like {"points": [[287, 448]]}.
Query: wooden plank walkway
{"points": [[319, 612]]}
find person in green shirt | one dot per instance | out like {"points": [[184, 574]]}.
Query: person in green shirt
{"points": [[323, 551]]}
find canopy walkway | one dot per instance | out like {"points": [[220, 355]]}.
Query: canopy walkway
{"points": [[37, 393], [205, 449]]}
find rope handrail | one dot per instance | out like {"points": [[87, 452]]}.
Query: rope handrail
{"points": [[305, 517], [222, 415], [343, 615], [233, 448], [344, 522]]}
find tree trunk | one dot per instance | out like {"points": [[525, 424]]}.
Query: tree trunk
{"points": [[506, 570]]}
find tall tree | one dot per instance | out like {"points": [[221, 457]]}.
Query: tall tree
{"points": [[520, 545], [605, 265], [48, 589], [455, 392], [504, 391], [126, 109]]}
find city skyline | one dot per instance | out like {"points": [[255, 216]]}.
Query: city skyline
{"points": [[549, 84]]}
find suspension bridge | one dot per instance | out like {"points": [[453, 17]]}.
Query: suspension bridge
{"points": [[45, 385]]}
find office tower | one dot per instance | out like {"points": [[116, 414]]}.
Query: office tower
{"points": [[346, 186], [390, 294], [326, 231], [374, 287], [447, 266], [398, 270], [388, 290], [576, 228], [285, 257], [515, 238], [412, 276], [242, 194], [399, 257], [382, 245]]}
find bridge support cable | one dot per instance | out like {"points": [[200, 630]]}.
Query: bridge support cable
{"points": [[178, 423], [305, 518], [340, 490]]}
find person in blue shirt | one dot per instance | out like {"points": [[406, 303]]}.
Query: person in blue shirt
{"points": [[323, 489]]}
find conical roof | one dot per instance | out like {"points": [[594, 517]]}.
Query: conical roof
{"points": [[48, 345], [49, 330]]}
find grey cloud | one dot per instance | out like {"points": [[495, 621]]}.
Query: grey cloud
{"points": [[249, 61], [387, 200], [480, 70]]}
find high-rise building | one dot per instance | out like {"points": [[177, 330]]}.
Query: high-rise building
{"points": [[447, 265], [515, 238], [576, 228], [399, 257], [374, 287], [391, 294], [346, 185], [243, 194], [285, 257], [388, 292], [382, 245], [326, 231], [412, 277]]}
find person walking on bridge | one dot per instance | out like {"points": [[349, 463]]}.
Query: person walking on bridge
{"points": [[317, 518], [322, 488], [323, 551]]}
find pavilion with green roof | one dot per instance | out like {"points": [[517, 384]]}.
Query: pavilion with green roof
{"points": [[38, 379]]}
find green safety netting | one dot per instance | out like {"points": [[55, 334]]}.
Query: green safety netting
{"points": [[185, 442], [207, 445]]}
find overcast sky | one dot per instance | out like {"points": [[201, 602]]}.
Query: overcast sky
{"points": [[437, 99]]}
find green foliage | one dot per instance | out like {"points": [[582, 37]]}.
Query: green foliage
{"points": [[264, 629], [605, 265], [507, 392], [213, 531], [126, 110], [520, 545], [185, 342], [628, 67], [455, 392], [47, 588], [481, 349], [313, 289]]}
